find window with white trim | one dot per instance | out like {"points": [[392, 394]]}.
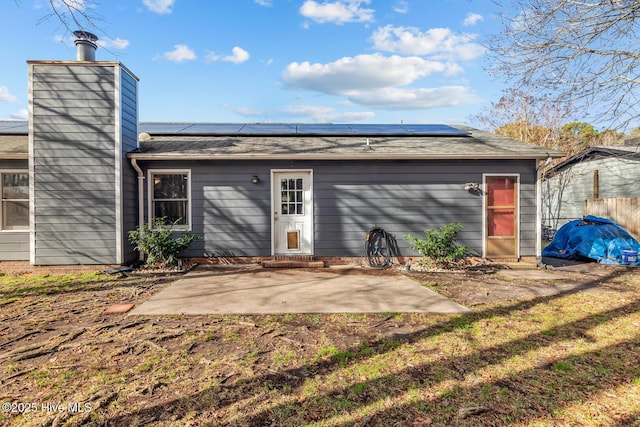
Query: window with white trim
{"points": [[14, 200], [169, 197]]}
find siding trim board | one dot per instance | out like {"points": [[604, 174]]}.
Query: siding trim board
{"points": [[118, 177], [32, 188]]}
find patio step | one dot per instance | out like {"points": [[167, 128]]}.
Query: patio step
{"points": [[293, 261]]}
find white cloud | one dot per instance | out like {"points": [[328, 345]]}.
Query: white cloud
{"points": [[249, 112], [338, 12], [393, 98], [472, 19], [306, 113], [378, 81], [5, 96], [116, 43], [362, 72], [238, 56], [162, 7], [402, 6], [265, 3], [317, 113], [438, 42], [21, 114], [181, 53]]}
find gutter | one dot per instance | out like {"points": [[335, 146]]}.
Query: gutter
{"points": [[135, 165], [321, 156]]}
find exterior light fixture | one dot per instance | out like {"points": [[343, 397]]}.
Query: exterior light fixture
{"points": [[472, 186], [255, 179]]}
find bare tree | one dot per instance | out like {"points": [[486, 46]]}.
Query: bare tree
{"points": [[72, 14], [520, 115], [586, 52]]}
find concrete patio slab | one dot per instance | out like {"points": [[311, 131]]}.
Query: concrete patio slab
{"points": [[254, 290]]}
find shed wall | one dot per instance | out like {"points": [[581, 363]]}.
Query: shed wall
{"points": [[564, 195], [350, 197]]}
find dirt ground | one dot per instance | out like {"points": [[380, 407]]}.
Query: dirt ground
{"points": [[58, 347], [493, 284]]}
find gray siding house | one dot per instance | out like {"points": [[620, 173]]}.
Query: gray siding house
{"points": [[82, 173], [594, 173]]}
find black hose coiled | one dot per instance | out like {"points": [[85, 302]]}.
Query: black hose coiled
{"points": [[377, 248]]}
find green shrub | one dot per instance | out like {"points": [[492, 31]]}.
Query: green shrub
{"points": [[158, 244], [439, 245]]}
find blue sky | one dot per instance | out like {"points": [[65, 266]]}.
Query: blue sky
{"points": [[355, 61]]}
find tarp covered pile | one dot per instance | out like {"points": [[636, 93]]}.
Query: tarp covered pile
{"points": [[600, 239]]}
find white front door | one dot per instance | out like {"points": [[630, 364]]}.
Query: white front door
{"points": [[292, 197]]}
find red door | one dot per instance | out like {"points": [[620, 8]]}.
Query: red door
{"points": [[501, 238]]}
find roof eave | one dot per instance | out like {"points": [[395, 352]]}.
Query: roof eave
{"points": [[363, 156]]}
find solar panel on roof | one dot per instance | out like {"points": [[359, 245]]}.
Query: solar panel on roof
{"points": [[434, 129], [213, 128], [301, 129], [378, 129], [269, 129], [324, 129], [153, 127]]}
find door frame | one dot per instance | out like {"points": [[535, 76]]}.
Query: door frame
{"points": [[484, 211], [273, 190]]}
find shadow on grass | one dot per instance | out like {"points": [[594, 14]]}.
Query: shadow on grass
{"points": [[547, 388], [60, 285]]}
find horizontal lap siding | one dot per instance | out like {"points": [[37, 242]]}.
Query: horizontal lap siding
{"points": [[74, 164], [232, 213], [234, 216], [129, 182], [401, 197], [14, 245]]}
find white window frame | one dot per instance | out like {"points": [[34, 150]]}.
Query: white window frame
{"points": [[14, 171], [150, 200]]}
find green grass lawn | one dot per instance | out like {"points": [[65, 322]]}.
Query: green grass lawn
{"points": [[566, 360]]}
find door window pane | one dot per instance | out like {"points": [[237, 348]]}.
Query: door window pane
{"points": [[501, 191], [501, 222], [291, 196]]}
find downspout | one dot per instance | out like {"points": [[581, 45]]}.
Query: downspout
{"points": [[541, 165], [135, 165]]}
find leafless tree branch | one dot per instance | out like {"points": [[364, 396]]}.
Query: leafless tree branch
{"points": [[585, 52]]}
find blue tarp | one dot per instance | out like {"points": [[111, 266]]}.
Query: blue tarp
{"points": [[600, 239]]}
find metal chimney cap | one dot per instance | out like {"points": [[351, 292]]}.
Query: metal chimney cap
{"points": [[85, 36], [86, 45]]}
